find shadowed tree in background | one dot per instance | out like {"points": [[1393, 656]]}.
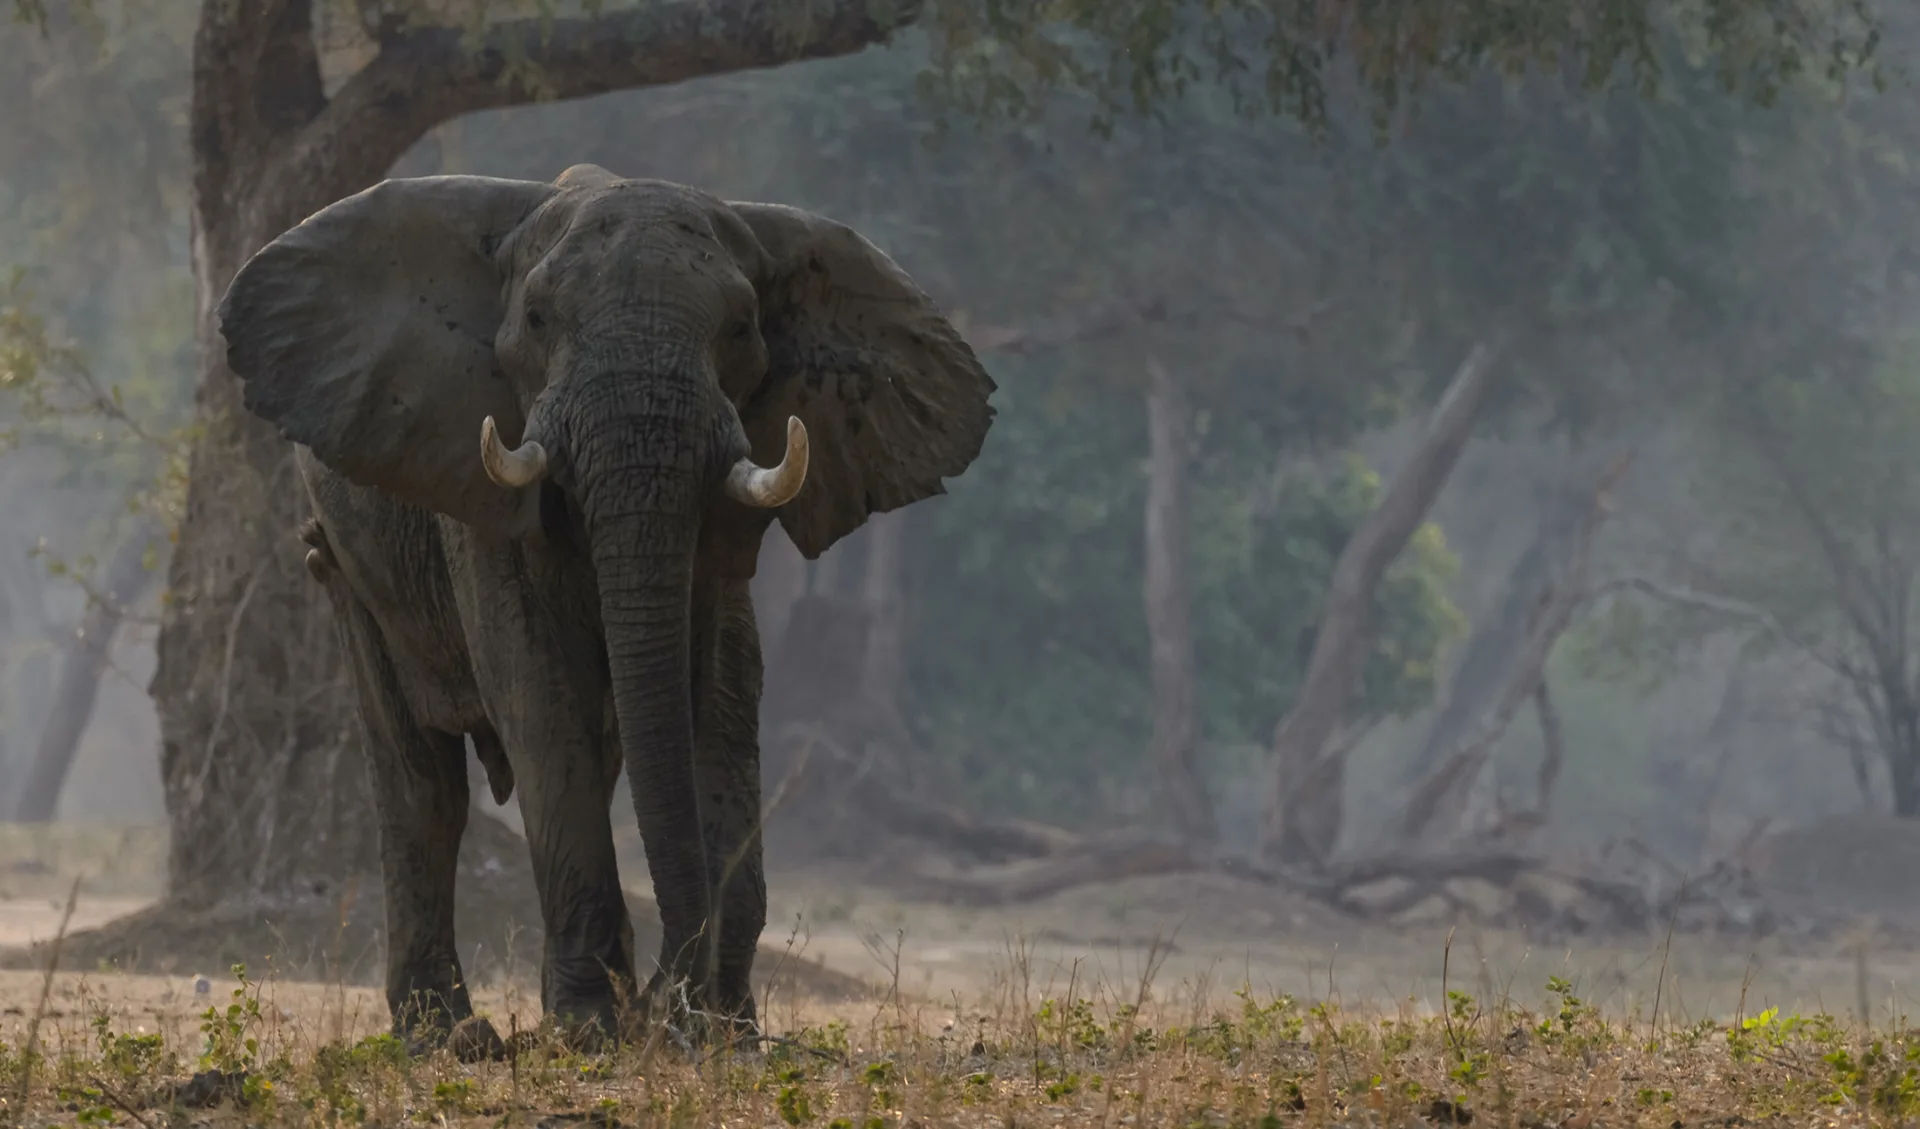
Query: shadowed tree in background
{"points": [[123, 580], [1169, 605]]}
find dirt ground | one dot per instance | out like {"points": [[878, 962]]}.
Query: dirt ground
{"points": [[957, 1028], [1202, 937], [1223, 936]]}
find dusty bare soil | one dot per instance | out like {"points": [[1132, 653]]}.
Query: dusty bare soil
{"points": [[1205, 935], [1202, 938], [975, 1017]]}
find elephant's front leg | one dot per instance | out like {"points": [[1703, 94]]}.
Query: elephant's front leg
{"points": [[726, 688], [586, 975], [545, 692], [419, 779]]}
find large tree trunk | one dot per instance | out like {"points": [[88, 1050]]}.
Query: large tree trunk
{"points": [[264, 791], [1176, 736], [1294, 830], [120, 584], [264, 787]]}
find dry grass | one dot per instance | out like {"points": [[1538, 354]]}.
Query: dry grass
{"points": [[1086, 1021], [114, 1049]]}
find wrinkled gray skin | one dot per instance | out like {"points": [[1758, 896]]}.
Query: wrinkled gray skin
{"points": [[647, 337]]}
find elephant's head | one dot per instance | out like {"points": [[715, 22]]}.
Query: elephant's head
{"points": [[636, 348]]}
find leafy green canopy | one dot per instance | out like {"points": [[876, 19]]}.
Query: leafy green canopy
{"points": [[1004, 56]]}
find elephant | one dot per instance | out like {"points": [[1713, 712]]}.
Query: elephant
{"points": [[543, 428]]}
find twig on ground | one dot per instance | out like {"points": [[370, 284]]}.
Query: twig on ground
{"points": [[119, 1102]]}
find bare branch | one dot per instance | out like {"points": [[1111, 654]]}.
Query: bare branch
{"points": [[1705, 601]]}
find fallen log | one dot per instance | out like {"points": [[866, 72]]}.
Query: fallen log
{"points": [[1089, 862]]}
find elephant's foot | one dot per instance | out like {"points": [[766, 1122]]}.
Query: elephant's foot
{"points": [[426, 1021], [733, 1021], [693, 1020], [586, 1026], [473, 1039]]}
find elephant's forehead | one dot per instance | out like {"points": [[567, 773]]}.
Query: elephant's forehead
{"points": [[629, 236], [628, 222], [639, 205]]}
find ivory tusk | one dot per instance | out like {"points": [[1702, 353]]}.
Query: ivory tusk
{"points": [[767, 488], [522, 467]]}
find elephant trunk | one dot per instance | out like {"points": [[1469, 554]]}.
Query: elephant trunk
{"points": [[645, 477]]}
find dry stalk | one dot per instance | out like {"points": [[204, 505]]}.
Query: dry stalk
{"points": [[46, 993]]}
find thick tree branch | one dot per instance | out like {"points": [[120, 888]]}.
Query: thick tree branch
{"points": [[427, 76]]}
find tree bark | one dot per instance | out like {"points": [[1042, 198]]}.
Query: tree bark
{"points": [[1168, 600], [265, 787], [121, 583], [1346, 624]]}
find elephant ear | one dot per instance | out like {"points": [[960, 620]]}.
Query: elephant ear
{"points": [[893, 399], [366, 334]]}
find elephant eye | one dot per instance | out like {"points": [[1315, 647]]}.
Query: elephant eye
{"points": [[536, 320], [740, 330]]}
